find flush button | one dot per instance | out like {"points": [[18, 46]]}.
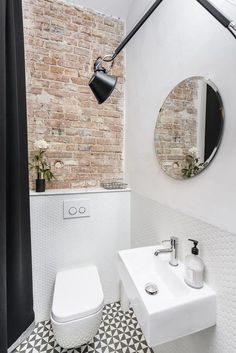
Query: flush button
{"points": [[76, 208], [72, 211], [82, 210]]}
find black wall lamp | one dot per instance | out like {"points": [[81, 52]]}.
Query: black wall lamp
{"points": [[102, 84]]}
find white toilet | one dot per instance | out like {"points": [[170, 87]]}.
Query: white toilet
{"points": [[77, 306]]}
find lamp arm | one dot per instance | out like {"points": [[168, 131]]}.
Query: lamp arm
{"points": [[136, 28], [215, 12], [102, 84], [230, 25]]}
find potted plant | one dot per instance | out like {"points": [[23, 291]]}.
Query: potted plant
{"points": [[41, 166], [193, 165]]}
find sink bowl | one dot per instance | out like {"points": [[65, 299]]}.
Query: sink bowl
{"points": [[176, 310]]}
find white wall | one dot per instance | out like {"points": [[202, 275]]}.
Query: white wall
{"points": [[59, 243], [180, 39]]}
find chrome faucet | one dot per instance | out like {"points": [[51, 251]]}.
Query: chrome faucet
{"points": [[173, 250]]}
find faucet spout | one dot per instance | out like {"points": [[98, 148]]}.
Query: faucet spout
{"points": [[159, 251]]}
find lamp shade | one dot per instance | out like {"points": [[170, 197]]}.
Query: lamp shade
{"points": [[102, 85]]}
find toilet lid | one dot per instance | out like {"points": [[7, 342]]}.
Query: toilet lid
{"points": [[77, 294]]}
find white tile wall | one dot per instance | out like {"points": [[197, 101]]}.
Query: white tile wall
{"points": [[152, 222], [59, 243]]}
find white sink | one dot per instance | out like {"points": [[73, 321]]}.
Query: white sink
{"points": [[176, 310]]}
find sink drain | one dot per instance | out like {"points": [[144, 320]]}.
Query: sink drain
{"points": [[151, 288]]}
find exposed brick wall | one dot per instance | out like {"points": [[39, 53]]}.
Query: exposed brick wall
{"points": [[176, 128], [86, 139]]}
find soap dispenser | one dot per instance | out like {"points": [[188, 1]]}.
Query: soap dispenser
{"points": [[194, 268]]}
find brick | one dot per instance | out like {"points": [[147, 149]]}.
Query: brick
{"points": [[86, 140], [54, 77], [57, 69]]}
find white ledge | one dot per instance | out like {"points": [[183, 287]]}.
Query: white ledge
{"points": [[51, 192]]}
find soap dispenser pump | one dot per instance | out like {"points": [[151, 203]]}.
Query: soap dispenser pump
{"points": [[194, 267]]}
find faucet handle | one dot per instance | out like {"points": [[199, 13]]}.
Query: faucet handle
{"points": [[166, 241], [172, 241]]}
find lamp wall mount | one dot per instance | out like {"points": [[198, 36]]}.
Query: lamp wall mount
{"points": [[232, 28]]}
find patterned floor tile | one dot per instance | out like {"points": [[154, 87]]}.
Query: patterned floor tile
{"points": [[118, 333]]}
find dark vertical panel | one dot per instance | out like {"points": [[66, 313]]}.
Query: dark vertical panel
{"points": [[3, 289], [17, 254]]}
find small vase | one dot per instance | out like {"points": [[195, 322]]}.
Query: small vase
{"points": [[40, 185]]}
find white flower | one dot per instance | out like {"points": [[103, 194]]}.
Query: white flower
{"points": [[193, 152], [41, 145]]}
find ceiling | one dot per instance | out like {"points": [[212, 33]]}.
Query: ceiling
{"points": [[115, 8]]}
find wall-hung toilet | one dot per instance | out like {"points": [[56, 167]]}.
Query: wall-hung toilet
{"points": [[77, 306]]}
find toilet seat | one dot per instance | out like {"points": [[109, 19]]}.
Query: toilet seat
{"points": [[77, 294]]}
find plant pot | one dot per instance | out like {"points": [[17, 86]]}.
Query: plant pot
{"points": [[40, 185]]}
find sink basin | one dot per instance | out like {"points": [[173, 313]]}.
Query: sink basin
{"points": [[176, 310]]}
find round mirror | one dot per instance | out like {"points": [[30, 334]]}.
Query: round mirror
{"points": [[189, 128]]}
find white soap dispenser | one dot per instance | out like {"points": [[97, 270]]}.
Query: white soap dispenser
{"points": [[194, 268]]}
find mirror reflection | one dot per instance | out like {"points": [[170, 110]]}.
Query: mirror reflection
{"points": [[189, 128]]}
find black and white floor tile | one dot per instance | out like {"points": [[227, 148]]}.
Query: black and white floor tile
{"points": [[119, 332]]}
